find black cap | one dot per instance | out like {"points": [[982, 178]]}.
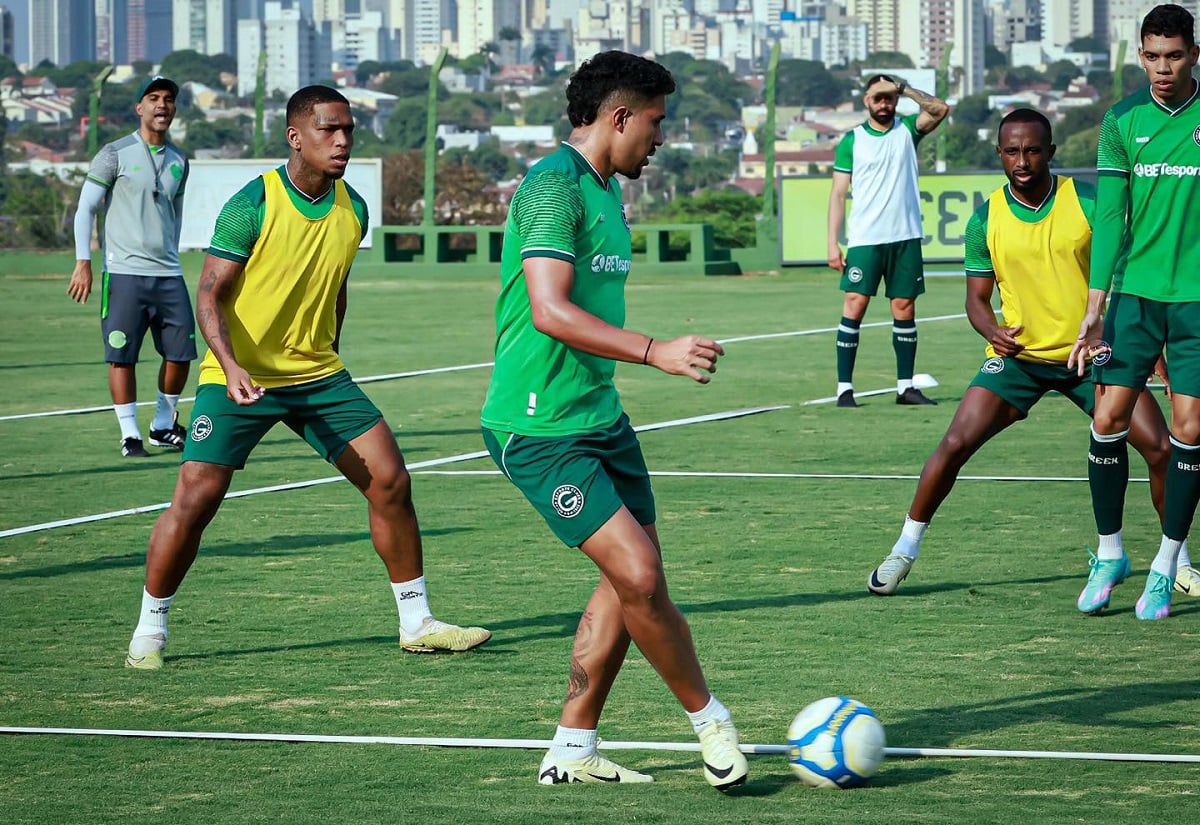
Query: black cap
{"points": [[158, 82]]}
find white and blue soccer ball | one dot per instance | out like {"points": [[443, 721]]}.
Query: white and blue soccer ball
{"points": [[835, 742]]}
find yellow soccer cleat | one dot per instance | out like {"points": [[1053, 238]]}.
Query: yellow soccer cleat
{"points": [[593, 768], [724, 764], [435, 635], [146, 652], [1187, 581]]}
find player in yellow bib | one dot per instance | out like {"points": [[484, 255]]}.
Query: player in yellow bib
{"points": [[1032, 239], [271, 301]]}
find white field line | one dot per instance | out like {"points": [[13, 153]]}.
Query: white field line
{"points": [[370, 379], [822, 476], [150, 508], [543, 744]]}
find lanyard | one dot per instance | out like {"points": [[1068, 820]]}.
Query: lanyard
{"points": [[157, 168]]}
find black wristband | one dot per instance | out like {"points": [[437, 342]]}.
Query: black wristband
{"points": [[646, 354]]}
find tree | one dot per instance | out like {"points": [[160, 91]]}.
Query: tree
{"points": [[542, 58], [963, 148], [409, 81], [189, 64], [973, 110], [37, 211], [1089, 44], [469, 110], [1078, 150], [220, 133], [732, 213], [1060, 73], [808, 83], [545, 108], [887, 60], [993, 57], [405, 128], [403, 188]]}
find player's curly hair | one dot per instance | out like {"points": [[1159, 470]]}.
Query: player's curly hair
{"points": [[1026, 116], [614, 76], [302, 102], [1170, 20]]}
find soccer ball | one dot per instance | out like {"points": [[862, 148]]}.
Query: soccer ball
{"points": [[835, 743]]}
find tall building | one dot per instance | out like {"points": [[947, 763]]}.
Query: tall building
{"points": [[8, 40], [298, 54], [155, 39], [1067, 20], [112, 29], [1019, 22], [62, 31], [205, 26]]}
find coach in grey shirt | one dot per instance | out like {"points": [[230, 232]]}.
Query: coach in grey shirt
{"points": [[136, 184]]}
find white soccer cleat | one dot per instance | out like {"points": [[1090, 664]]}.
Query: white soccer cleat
{"points": [[885, 578], [1187, 580], [724, 764], [435, 635], [592, 768], [146, 652]]}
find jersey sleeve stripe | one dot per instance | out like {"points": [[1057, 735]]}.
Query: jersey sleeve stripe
{"points": [[547, 252], [1110, 170], [229, 255]]}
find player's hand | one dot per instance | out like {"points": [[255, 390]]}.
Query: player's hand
{"points": [[688, 355], [1160, 371], [835, 258], [1088, 345], [240, 387], [81, 282], [1004, 341]]}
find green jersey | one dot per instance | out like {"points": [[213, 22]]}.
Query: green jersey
{"points": [[540, 386], [1148, 163]]}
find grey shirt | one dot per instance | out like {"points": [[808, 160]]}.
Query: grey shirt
{"points": [[143, 206]]}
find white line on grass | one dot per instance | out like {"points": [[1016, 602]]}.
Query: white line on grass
{"points": [[543, 744], [823, 476], [370, 379], [150, 508]]}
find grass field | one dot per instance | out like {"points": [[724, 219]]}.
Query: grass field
{"points": [[286, 623]]}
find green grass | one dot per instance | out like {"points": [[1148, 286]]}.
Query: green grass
{"points": [[286, 623]]}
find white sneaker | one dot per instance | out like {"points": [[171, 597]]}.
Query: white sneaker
{"points": [[435, 635], [146, 652], [593, 768], [724, 764], [1187, 581], [885, 578]]}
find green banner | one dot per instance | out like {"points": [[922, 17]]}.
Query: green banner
{"points": [[947, 201]]}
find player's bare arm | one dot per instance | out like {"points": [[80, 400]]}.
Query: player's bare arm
{"points": [[81, 282], [983, 318], [933, 109], [339, 311], [837, 214], [1089, 344], [549, 282], [217, 280]]}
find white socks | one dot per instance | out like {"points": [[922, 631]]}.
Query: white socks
{"points": [[909, 543], [152, 620], [127, 418], [1111, 547], [573, 743], [843, 386], [1165, 562], [411, 603], [164, 412], [714, 711]]}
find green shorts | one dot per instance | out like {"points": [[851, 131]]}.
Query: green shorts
{"points": [[577, 482], [1022, 384], [898, 264], [328, 413], [1138, 330]]}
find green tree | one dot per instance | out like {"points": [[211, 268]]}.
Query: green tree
{"points": [[1060, 73], [1078, 151], [993, 57], [469, 110], [963, 148], [808, 83], [887, 60], [974, 110], [190, 65], [543, 59], [37, 211], [405, 128], [409, 81], [1089, 44], [732, 213], [220, 133], [545, 108]]}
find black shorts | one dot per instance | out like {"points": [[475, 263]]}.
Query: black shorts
{"points": [[132, 304]]}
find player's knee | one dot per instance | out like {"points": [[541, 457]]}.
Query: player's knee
{"points": [[642, 587]]}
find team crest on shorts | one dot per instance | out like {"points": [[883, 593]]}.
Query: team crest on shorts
{"points": [[567, 500], [1103, 356], [993, 366], [854, 275], [202, 428]]}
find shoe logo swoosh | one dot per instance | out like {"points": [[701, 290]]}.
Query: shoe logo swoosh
{"points": [[613, 778], [719, 773], [875, 582]]}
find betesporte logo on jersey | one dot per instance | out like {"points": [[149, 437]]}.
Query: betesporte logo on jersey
{"points": [[1165, 170]]}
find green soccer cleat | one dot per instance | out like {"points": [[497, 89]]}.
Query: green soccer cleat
{"points": [[592, 768], [724, 764], [1106, 574], [146, 652], [885, 578], [435, 635], [1155, 601], [1187, 581]]}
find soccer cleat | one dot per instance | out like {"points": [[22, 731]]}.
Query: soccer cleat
{"points": [[591, 768], [150, 656], [914, 397], [435, 635], [1155, 601], [885, 578], [1106, 574], [724, 764], [1187, 581], [132, 448], [174, 438], [846, 399]]}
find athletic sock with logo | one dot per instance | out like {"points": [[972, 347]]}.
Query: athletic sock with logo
{"points": [[714, 711], [411, 603], [909, 543], [1183, 492], [151, 620], [1108, 476], [573, 743], [847, 349], [164, 411], [127, 418], [904, 342]]}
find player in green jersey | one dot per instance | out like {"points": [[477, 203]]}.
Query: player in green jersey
{"points": [[1144, 250], [553, 422]]}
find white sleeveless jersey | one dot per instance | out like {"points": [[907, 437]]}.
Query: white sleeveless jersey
{"points": [[885, 198]]}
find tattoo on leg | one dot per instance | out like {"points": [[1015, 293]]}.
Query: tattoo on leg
{"points": [[577, 682]]}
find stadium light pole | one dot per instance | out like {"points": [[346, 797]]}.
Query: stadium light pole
{"points": [[93, 135], [260, 96], [768, 224], [431, 138]]}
